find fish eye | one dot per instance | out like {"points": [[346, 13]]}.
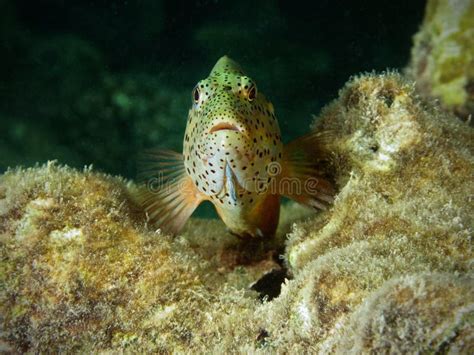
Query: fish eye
{"points": [[196, 94], [252, 93]]}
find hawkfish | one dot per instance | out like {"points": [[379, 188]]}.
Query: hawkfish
{"points": [[233, 156]]}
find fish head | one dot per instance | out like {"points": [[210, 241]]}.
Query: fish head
{"points": [[232, 135]]}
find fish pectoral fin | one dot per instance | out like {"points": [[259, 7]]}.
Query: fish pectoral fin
{"points": [[302, 179], [167, 194]]}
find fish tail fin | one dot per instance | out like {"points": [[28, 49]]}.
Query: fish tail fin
{"points": [[167, 194], [301, 178]]}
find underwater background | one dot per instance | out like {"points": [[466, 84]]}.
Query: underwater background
{"points": [[96, 82]]}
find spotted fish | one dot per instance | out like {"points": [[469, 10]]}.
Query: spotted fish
{"points": [[233, 156]]}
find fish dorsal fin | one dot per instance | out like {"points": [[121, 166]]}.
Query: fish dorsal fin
{"points": [[167, 194], [301, 178]]}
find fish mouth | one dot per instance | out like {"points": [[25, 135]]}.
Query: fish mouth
{"points": [[224, 126]]}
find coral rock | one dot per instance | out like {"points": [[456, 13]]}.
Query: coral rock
{"points": [[442, 60]]}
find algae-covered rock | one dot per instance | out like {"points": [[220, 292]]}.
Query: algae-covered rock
{"points": [[388, 268], [76, 271], [400, 158], [395, 317], [404, 208], [442, 61], [81, 271]]}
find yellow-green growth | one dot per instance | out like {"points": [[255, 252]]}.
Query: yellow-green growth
{"points": [[404, 208], [442, 60], [79, 272]]}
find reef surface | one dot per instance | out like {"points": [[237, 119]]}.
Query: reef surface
{"points": [[442, 60], [387, 269]]}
